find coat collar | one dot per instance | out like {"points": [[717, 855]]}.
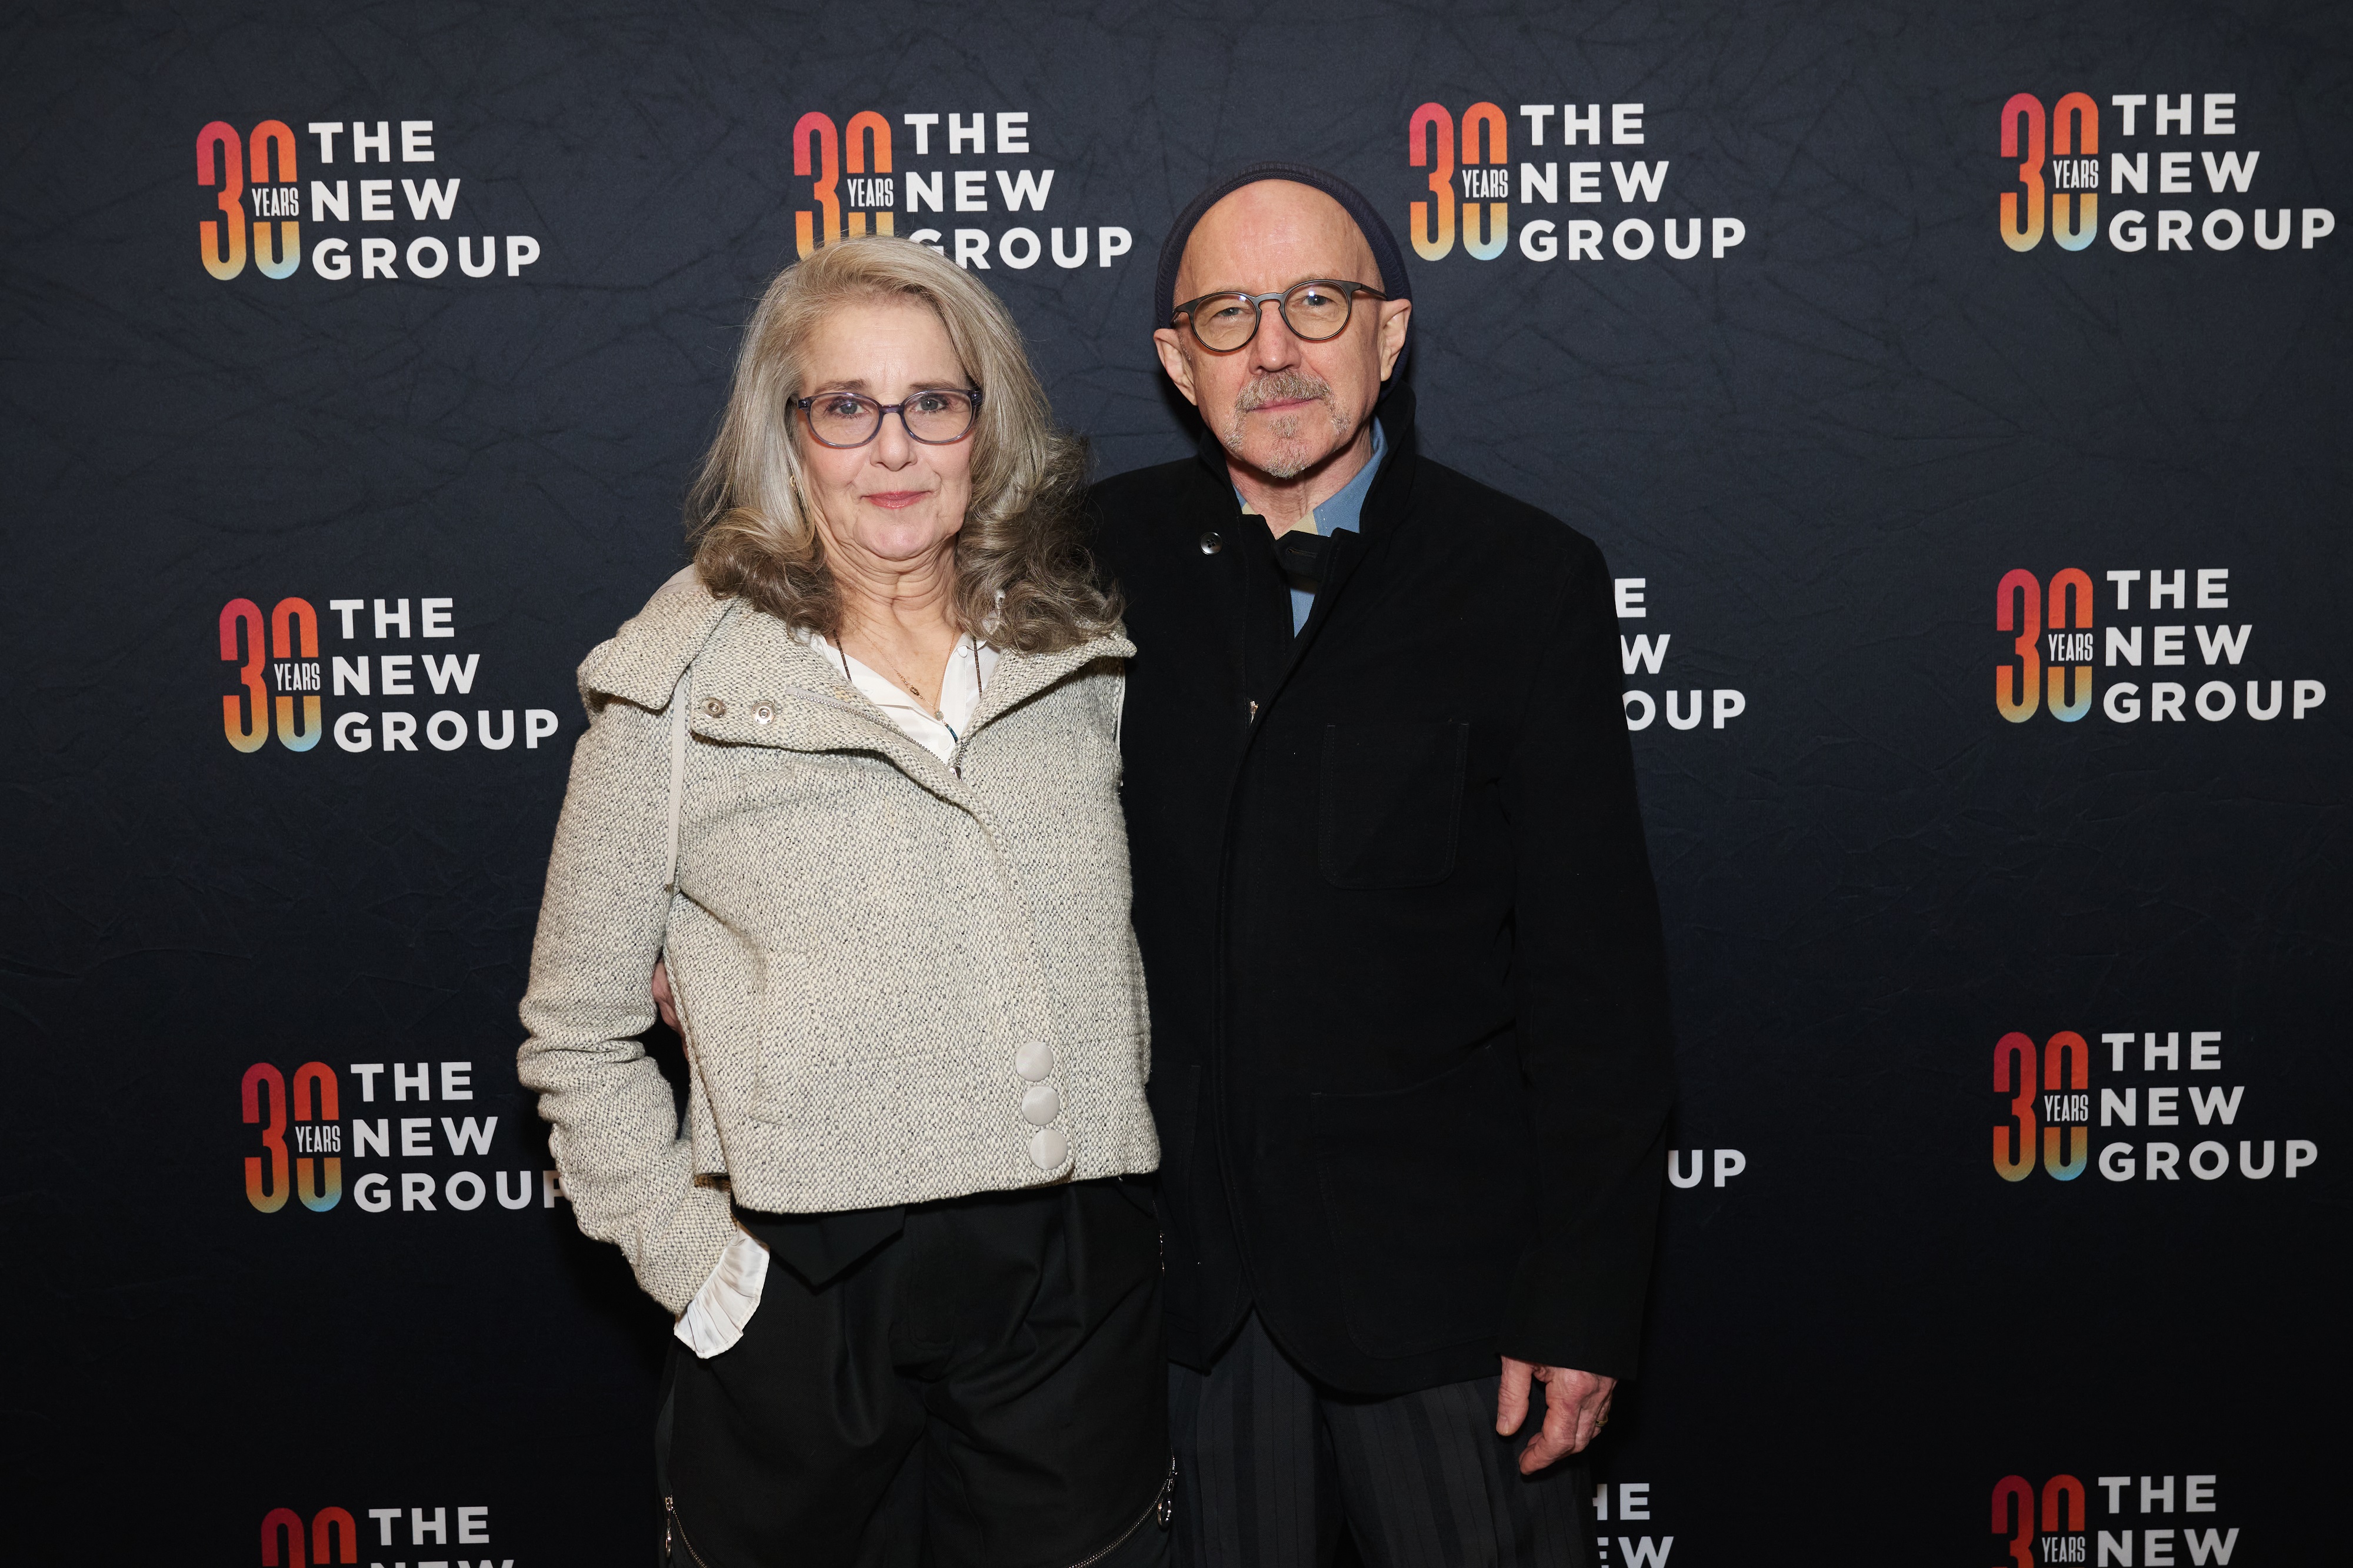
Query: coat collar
{"points": [[1352, 554], [746, 661], [640, 663], [759, 656]]}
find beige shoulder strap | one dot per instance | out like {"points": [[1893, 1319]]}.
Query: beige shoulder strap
{"points": [[678, 699], [681, 697]]}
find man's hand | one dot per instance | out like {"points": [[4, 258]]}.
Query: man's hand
{"points": [[1576, 1407], [668, 1008]]}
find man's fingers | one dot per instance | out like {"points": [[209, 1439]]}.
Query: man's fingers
{"points": [[1589, 1420], [1593, 1408], [1512, 1396], [1556, 1438], [1576, 1407], [664, 1004]]}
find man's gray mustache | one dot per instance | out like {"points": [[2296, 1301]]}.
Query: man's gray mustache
{"points": [[1277, 388]]}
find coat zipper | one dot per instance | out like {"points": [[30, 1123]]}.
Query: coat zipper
{"points": [[1162, 1509], [694, 1070], [672, 1528]]}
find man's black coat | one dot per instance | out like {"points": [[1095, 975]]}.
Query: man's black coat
{"points": [[1410, 1050]]}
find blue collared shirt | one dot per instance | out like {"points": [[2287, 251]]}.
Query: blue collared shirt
{"points": [[1339, 513]]}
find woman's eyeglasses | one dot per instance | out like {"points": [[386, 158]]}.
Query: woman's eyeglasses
{"points": [[937, 419]]}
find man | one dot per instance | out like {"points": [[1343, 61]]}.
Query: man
{"points": [[1410, 1050]]}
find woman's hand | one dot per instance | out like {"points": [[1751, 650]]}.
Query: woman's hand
{"points": [[664, 1002]]}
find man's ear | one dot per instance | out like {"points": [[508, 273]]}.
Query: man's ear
{"points": [[1173, 361], [1396, 316]]}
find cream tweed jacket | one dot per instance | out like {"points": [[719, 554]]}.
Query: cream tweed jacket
{"points": [[900, 979]]}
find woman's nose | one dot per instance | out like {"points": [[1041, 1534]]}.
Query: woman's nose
{"points": [[893, 447]]}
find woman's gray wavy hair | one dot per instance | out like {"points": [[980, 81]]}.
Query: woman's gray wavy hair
{"points": [[1024, 579]]}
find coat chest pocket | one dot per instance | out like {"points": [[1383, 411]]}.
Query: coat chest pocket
{"points": [[1390, 802]]}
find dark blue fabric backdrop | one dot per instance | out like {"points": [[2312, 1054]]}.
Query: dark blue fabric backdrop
{"points": [[1851, 454]]}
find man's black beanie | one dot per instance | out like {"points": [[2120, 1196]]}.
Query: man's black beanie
{"points": [[1391, 260]]}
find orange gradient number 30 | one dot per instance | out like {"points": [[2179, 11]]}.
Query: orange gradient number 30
{"points": [[2066, 1063], [1429, 140], [221, 161], [265, 1186], [2018, 689], [817, 156], [2013, 1515], [245, 714], [2070, 131]]}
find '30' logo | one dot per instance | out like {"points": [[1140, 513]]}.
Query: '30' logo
{"points": [[1429, 142], [2064, 1085], [2062, 1517], [2018, 688], [293, 635], [2072, 158], [817, 155], [220, 161], [266, 1184]]}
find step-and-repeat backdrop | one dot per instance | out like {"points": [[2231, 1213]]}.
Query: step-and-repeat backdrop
{"points": [[1960, 402]]}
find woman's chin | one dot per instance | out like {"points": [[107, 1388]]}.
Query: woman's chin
{"points": [[903, 537]]}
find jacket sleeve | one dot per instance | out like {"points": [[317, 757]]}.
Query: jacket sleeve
{"points": [[1589, 977], [615, 1126]]}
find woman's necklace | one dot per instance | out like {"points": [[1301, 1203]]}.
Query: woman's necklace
{"points": [[911, 688]]}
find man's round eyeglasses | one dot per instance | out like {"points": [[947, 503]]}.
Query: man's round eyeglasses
{"points": [[936, 418], [1316, 310]]}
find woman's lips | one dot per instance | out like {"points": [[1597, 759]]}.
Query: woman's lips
{"points": [[896, 500]]}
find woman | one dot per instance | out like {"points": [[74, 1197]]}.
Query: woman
{"points": [[853, 781]]}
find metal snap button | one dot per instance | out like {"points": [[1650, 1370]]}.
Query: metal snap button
{"points": [[715, 708], [764, 713], [1049, 1148], [1211, 543], [1041, 1105]]}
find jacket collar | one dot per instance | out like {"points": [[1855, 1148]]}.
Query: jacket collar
{"points": [[760, 657], [745, 662], [1388, 512], [1020, 677], [642, 662]]}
